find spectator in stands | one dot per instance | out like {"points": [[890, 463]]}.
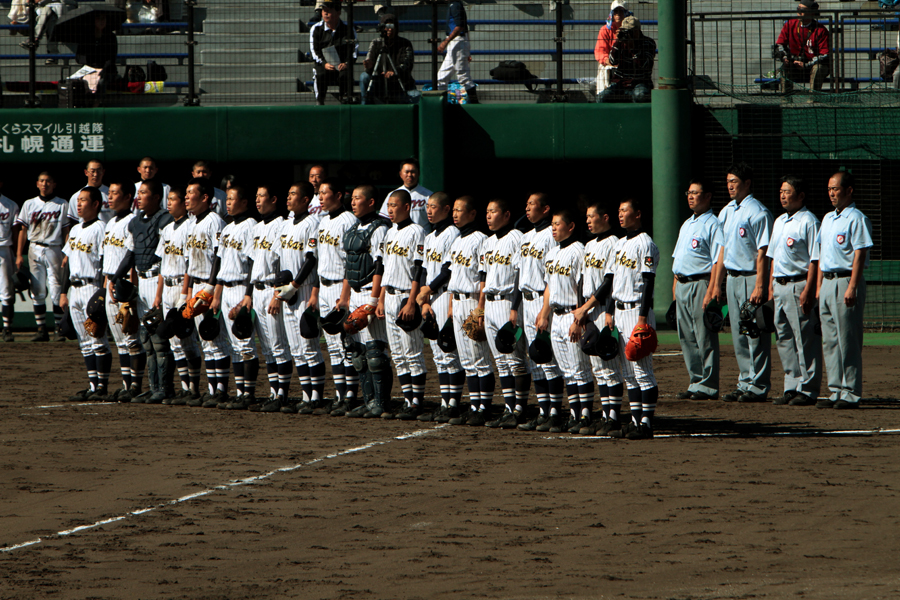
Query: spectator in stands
{"points": [[897, 71], [18, 14], [97, 54], [631, 57], [332, 45], [802, 48], [605, 38], [48, 13], [456, 45], [389, 64]]}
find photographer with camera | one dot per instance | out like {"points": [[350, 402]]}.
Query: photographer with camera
{"points": [[802, 48], [389, 65], [631, 57], [333, 46]]}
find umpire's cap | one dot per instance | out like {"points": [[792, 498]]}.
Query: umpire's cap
{"points": [[540, 350], [65, 327], [96, 306], [309, 323], [23, 280], [152, 320], [284, 278], [672, 316], [447, 337], [124, 291], [714, 316], [209, 326], [430, 327], [590, 339], [333, 322], [413, 323], [608, 343], [507, 337], [242, 327]]}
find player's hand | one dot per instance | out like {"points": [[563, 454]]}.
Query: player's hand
{"points": [[274, 306], [427, 310], [313, 299], [63, 301], [215, 305], [388, 74], [575, 332], [850, 296], [247, 302], [157, 302], [579, 314], [758, 296], [182, 301], [286, 291], [806, 301], [329, 67], [609, 322], [111, 297], [424, 295], [513, 316], [65, 261], [342, 303], [542, 322], [406, 313], [20, 260], [379, 310]]}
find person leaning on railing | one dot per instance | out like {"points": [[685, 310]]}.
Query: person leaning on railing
{"points": [[802, 48], [632, 57], [389, 64]]}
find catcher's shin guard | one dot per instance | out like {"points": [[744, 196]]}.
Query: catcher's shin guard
{"points": [[380, 373]]}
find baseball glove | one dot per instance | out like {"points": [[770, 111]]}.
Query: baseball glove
{"points": [[642, 343], [199, 304], [94, 329], [127, 319], [358, 319], [233, 313], [473, 328]]}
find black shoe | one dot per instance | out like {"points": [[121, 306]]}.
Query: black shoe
{"points": [[751, 397], [183, 400], [554, 424], [573, 425], [8, 336], [40, 335], [534, 423], [704, 396], [427, 416], [458, 416], [733, 396], [156, 398], [340, 409], [622, 431], [478, 418], [358, 412], [684, 395], [80, 396], [324, 407], [290, 406], [241, 402], [826, 403], [802, 400], [641, 432], [512, 420], [786, 398], [442, 415], [587, 426], [305, 408], [59, 337], [844, 405], [606, 427], [99, 395], [409, 413], [495, 423], [212, 401], [197, 401]]}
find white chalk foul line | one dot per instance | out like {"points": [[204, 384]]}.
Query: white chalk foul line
{"points": [[224, 487], [732, 434]]}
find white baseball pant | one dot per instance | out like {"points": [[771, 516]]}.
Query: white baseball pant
{"points": [[45, 263], [7, 270], [270, 328], [241, 350], [496, 315], [638, 373], [531, 309], [456, 61], [124, 342], [303, 351], [78, 301], [446, 362], [572, 361], [328, 297], [407, 347], [473, 356]]}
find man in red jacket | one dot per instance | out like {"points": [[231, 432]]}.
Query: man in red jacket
{"points": [[802, 47]]}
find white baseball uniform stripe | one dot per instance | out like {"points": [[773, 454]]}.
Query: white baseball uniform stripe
{"points": [[189, 347], [473, 356], [270, 330], [531, 309], [572, 361], [446, 362], [303, 351], [638, 373], [407, 347], [78, 301], [496, 315], [241, 350], [328, 297]]}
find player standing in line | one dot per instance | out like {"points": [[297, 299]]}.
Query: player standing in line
{"points": [[599, 253], [435, 300], [204, 230], [132, 359], [693, 288], [562, 296], [234, 292], [201, 168], [465, 285], [845, 239], [44, 224], [501, 298], [363, 270], [315, 177], [794, 277], [403, 252], [84, 250], [747, 225], [297, 248], [172, 268], [409, 173], [9, 211], [94, 172], [147, 169], [332, 259], [532, 265]]}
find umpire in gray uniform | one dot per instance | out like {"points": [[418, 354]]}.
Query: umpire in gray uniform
{"points": [[699, 243]]}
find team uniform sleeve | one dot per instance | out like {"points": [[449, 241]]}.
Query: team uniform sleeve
{"points": [[24, 215], [716, 239], [161, 246], [649, 259]]}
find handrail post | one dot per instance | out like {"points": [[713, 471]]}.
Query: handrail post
{"points": [[434, 43], [560, 95], [32, 102], [351, 62], [192, 99]]}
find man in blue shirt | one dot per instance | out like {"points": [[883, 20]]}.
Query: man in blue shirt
{"points": [[699, 244], [456, 44], [794, 275], [844, 242], [747, 225]]}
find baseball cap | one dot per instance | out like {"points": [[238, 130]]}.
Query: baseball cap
{"points": [[447, 337], [507, 338], [242, 327], [630, 23], [541, 350], [309, 323], [413, 323]]}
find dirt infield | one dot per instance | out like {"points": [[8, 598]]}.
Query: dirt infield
{"points": [[773, 503]]}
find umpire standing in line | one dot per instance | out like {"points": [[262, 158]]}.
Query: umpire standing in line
{"points": [[700, 241]]}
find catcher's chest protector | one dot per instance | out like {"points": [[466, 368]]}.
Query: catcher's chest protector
{"points": [[360, 267]]}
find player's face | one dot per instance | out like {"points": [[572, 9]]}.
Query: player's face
{"points": [[596, 222], [87, 208], [46, 185], [234, 203], [201, 172], [145, 200], [496, 218], [118, 199], [194, 201], [560, 229], [534, 210], [360, 205], [265, 202], [147, 169], [316, 175], [698, 200], [176, 206], [330, 199], [398, 211], [94, 174], [410, 176], [462, 216], [296, 202], [436, 213], [629, 218], [840, 197], [738, 189], [791, 201]]}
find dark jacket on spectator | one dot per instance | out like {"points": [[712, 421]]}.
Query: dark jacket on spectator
{"points": [[809, 44], [99, 53], [400, 51], [633, 63], [343, 38]]}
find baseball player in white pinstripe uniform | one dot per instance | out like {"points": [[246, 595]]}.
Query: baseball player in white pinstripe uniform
{"points": [[44, 223], [204, 230], [418, 194], [9, 211], [172, 268], [500, 254], [598, 253], [465, 286], [132, 358], [201, 168], [94, 172], [403, 253], [298, 253], [562, 296], [84, 250], [235, 292], [315, 177], [435, 299], [532, 265], [148, 170]]}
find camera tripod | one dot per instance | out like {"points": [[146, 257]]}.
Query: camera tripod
{"points": [[380, 63]]}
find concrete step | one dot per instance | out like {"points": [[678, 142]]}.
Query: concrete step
{"points": [[253, 26], [250, 56], [263, 86]]}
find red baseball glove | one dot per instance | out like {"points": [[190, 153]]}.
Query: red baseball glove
{"points": [[359, 319], [199, 304], [642, 343]]}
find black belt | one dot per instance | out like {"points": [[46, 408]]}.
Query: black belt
{"points": [[361, 289], [262, 285], [740, 273], [626, 305], [689, 278], [198, 280], [330, 281], [561, 310], [531, 295], [152, 272], [394, 291], [462, 296], [231, 284], [495, 297], [173, 281], [46, 245], [836, 274], [80, 282], [790, 279]]}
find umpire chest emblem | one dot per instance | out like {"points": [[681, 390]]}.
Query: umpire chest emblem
{"points": [[742, 232], [790, 242], [840, 238], [695, 243]]}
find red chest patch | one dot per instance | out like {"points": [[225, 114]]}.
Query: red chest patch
{"points": [[840, 238], [790, 242], [742, 232], [695, 243]]}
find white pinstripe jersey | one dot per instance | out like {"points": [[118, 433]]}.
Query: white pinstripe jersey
{"points": [[44, 221], [437, 248], [536, 246], [265, 249], [165, 196], [85, 249], [170, 248], [563, 275], [331, 253], [114, 242], [465, 261], [404, 243], [202, 240], [299, 237], [635, 255], [235, 245], [9, 210], [499, 259], [106, 213], [598, 252], [418, 197]]}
